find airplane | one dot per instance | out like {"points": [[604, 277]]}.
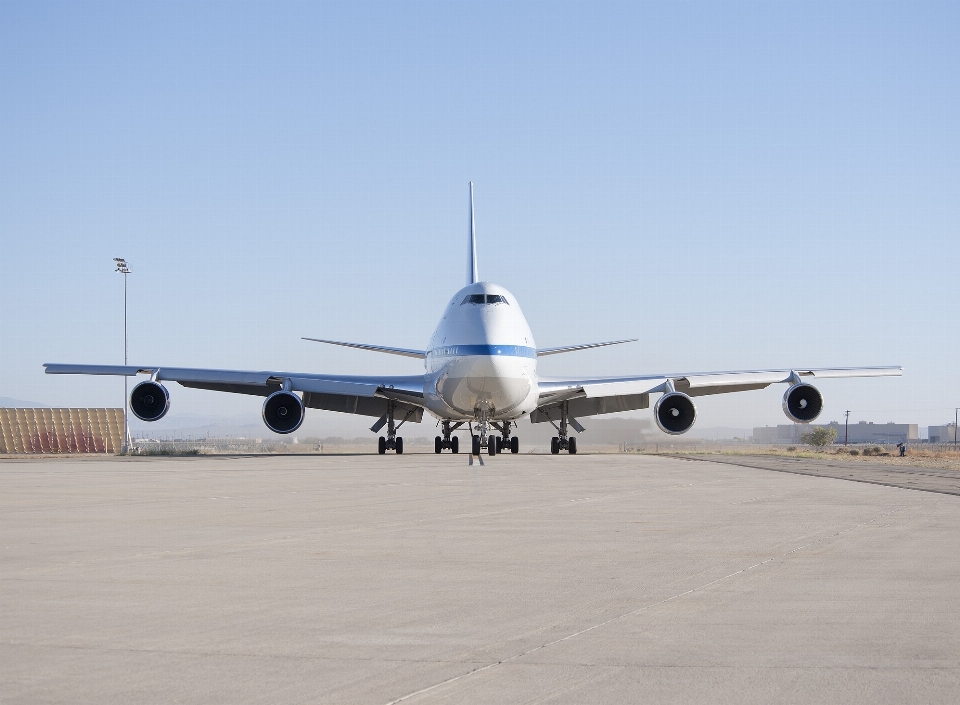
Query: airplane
{"points": [[480, 371]]}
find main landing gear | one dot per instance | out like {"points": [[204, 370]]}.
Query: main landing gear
{"points": [[392, 441], [448, 441], [563, 441]]}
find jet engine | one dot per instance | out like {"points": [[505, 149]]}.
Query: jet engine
{"points": [[675, 413], [149, 401], [802, 403], [283, 412]]}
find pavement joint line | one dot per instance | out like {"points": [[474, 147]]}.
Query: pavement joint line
{"points": [[901, 484], [644, 608]]}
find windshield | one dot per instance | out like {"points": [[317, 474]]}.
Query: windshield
{"points": [[488, 299]]}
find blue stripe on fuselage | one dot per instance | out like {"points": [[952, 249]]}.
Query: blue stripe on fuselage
{"points": [[493, 350]]}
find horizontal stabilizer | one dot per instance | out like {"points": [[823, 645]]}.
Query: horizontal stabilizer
{"points": [[374, 348], [570, 348]]}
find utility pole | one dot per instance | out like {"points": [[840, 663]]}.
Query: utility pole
{"points": [[846, 429], [956, 410], [124, 270]]}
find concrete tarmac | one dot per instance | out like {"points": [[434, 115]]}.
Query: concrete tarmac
{"points": [[422, 579], [907, 476]]}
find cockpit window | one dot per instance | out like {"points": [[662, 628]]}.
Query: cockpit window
{"points": [[488, 299]]}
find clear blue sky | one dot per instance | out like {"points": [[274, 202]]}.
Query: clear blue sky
{"points": [[740, 185]]}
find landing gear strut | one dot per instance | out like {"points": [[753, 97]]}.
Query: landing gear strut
{"points": [[504, 440], [441, 444], [563, 441], [484, 438], [392, 441]]}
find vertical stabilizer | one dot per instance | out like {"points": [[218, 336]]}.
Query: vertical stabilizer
{"points": [[473, 276]]}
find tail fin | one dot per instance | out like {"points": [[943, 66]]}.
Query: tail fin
{"points": [[473, 276]]}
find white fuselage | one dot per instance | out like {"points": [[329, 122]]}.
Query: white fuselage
{"points": [[482, 359]]}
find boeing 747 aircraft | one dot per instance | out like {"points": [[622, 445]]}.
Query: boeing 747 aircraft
{"points": [[480, 371]]}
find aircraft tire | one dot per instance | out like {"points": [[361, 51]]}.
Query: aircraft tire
{"points": [[399, 446], [514, 445], [455, 444], [382, 445], [437, 445], [572, 446], [492, 444], [555, 445], [476, 445]]}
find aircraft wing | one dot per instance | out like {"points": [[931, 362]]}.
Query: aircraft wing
{"points": [[404, 352], [587, 346], [364, 395], [607, 395]]}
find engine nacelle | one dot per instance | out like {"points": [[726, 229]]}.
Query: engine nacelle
{"points": [[149, 401], [802, 403], [675, 413], [283, 412]]}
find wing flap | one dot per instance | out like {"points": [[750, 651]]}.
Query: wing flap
{"points": [[364, 406], [580, 407]]}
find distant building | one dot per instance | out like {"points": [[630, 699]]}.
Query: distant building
{"points": [[942, 434], [784, 433], [862, 432], [26, 430]]}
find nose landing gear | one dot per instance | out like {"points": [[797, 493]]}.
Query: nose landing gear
{"points": [[494, 444]]}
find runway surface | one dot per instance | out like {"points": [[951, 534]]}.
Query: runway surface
{"points": [[422, 579]]}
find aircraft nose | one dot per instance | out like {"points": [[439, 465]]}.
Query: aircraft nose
{"points": [[492, 393]]}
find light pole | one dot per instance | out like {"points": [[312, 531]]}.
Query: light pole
{"points": [[846, 429], [124, 270]]}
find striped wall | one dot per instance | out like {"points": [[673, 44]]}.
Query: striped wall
{"points": [[61, 430]]}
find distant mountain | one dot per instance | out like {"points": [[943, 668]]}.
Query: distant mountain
{"points": [[9, 403]]}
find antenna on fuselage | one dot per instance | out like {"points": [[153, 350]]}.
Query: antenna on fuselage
{"points": [[473, 276]]}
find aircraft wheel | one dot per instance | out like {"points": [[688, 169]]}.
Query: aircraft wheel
{"points": [[382, 445], [492, 446], [437, 445], [399, 446], [455, 444], [555, 445], [499, 444], [572, 446], [476, 445], [514, 445]]}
